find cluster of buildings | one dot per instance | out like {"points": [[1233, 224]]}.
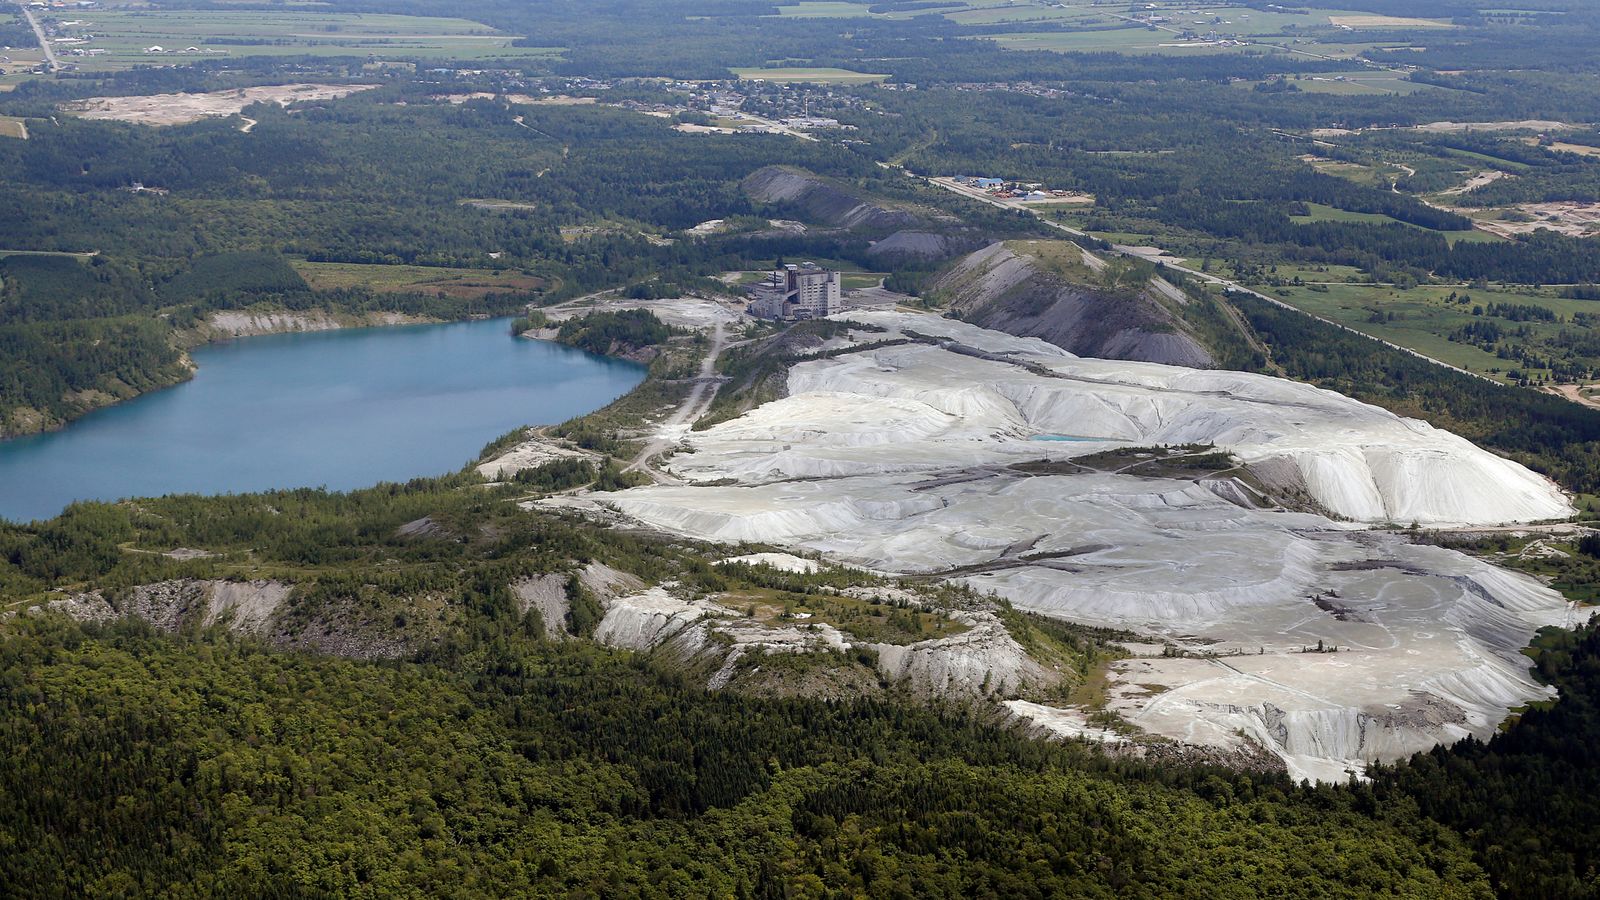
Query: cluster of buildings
{"points": [[1009, 190], [816, 122], [798, 105], [795, 293], [1030, 88]]}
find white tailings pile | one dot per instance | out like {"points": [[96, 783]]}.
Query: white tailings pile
{"points": [[919, 407], [783, 562], [984, 659], [898, 459], [645, 620]]}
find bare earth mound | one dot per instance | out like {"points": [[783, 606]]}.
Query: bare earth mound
{"points": [[181, 109]]}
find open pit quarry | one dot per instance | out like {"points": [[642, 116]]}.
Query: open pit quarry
{"points": [[1252, 527]]}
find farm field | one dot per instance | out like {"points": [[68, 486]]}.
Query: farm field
{"points": [[822, 75], [127, 35], [1364, 20], [460, 283], [13, 127]]}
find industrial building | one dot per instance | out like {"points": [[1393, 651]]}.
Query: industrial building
{"points": [[794, 293]]}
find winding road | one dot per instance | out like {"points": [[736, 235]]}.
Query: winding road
{"points": [[693, 407]]}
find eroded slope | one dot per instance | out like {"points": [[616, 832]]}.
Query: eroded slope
{"points": [[1112, 309]]}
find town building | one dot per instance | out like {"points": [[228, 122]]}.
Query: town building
{"points": [[794, 293]]}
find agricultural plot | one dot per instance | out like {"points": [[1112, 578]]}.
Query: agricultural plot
{"points": [[13, 127], [458, 283], [1367, 20], [135, 37]]}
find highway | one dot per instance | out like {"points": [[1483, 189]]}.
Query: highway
{"points": [[44, 42]]}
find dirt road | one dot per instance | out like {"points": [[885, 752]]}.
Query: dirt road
{"points": [[693, 407], [1573, 392]]}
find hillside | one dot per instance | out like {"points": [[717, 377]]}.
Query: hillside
{"points": [[899, 231], [1110, 309]]}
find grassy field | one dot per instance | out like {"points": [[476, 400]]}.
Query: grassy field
{"points": [[1360, 83], [1309, 274], [125, 35], [460, 283], [1366, 20], [821, 75], [1320, 213], [855, 281], [1421, 318], [1371, 176], [1161, 27], [824, 9], [12, 127]]}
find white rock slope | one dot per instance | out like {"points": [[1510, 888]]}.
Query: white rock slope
{"points": [[898, 459]]}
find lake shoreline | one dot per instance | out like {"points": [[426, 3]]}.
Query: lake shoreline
{"points": [[234, 325], [338, 408]]}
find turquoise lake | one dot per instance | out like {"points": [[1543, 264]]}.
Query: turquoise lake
{"points": [[339, 409]]}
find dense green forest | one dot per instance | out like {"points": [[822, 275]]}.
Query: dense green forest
{"points": [[616, 333], [537, 768]]}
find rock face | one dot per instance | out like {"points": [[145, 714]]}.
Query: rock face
{"points": [[248, 323], [1000, 288], [926, 457], [648, 619], [547, 594], [922, 234], [253, 608], [983, 660], [243, 607]]}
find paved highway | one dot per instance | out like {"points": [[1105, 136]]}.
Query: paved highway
{"points": [[44, 42]]}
